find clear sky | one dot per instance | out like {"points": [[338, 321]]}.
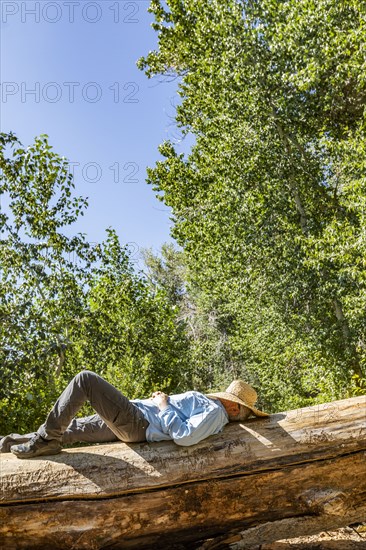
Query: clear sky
{"points": [[68, 69]]}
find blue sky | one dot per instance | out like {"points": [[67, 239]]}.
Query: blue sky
{"points": [[68, 69]]}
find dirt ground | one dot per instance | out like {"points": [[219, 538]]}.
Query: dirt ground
{"points": [[348, 538]]}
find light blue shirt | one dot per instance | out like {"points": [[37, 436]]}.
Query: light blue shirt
{"points": [[189, 418]]}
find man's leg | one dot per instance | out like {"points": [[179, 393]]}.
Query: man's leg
{"points": [[121, 416], [14, 439], [89, 429], [124, 419]]}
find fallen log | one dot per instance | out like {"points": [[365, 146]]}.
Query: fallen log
{"points": [[294, 473]]}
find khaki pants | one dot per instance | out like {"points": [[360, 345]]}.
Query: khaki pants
{"points": [[117, 417]]}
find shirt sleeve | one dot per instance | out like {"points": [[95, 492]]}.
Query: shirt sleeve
{"points": [[195, 428]]}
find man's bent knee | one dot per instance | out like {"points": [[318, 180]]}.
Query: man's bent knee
{"points": [[86, 375]]}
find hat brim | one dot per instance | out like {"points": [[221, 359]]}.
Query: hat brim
{"points": [[231, 397]]}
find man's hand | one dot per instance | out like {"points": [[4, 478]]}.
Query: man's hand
{"points": [[160, 399]]}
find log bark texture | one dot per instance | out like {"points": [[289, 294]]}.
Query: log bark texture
{"points": [[295, 473]]}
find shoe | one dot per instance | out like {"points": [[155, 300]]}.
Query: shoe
{"points": [[37, 446]]}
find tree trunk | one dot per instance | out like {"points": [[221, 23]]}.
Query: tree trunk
{"points": [[292, 474], [338, 309]]}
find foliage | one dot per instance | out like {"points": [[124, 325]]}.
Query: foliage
{"points": [[132, 335], [167, 271], [269, 206], [209, 352], [41, 287]]}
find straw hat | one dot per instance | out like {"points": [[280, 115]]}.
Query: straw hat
{"points": [[242, 393]]}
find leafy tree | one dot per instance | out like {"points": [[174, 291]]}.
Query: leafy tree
{"points": [[167, 271], [41, 286], [206, 323], [133, 335], [269, 206], [65, 304]]}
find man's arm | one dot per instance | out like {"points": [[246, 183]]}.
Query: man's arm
{"points": [[194, 429]]}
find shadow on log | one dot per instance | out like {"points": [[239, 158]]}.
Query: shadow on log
{"points": [[295, 473]]}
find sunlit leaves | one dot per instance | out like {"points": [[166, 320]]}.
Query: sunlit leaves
{"points": [[270, 203]]}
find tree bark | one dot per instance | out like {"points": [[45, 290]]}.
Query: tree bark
{"points": [[292, 175], [338, 309], [295, 473]]}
